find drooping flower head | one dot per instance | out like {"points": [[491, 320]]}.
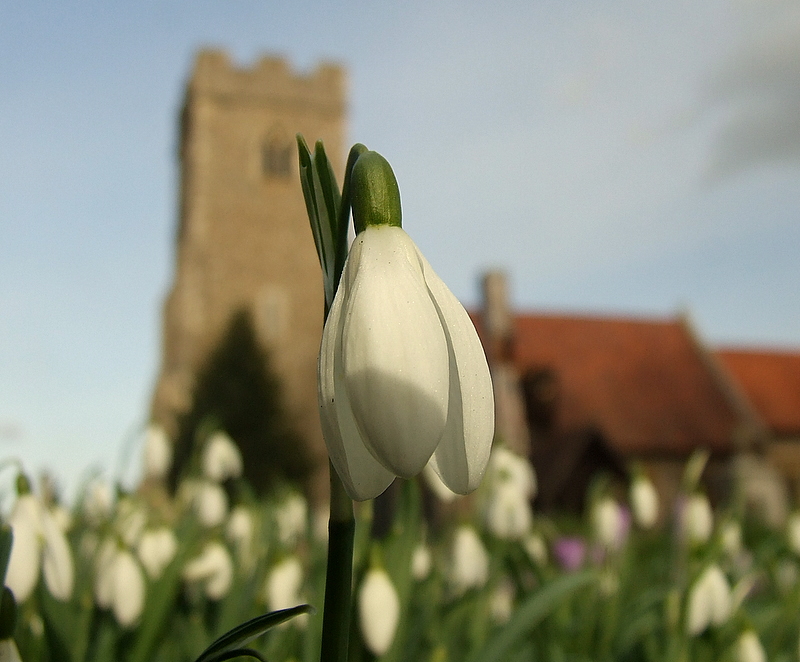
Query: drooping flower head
{"points": [[378, 610], [403, 379]]}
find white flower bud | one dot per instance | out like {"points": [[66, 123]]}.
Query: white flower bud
{"points": [[421, 562], [793, 532], [221, 458], [512, 471], [698, 520], [130, 520], [749, 648], [9, 651], [379, 610], [284, 583], [403, 379], [128, 589], [25, 561], [214, 568], [709, 601], [607, 523], [291, 517], [156, 549], [59, 571], [501, 603], [508, 513], [470, 562], [731, 538], [210, 504], [535, 548], [644, 502], [157, 453], [98, 502]]}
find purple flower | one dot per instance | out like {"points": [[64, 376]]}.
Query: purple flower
{"points": [[570, 552]]}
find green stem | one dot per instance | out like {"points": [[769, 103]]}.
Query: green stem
{"points": [[339, 575]]}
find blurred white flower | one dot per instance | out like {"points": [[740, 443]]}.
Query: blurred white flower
{"points": [[608, 523], [509, 470], [731, 538], [421, 562], [283, 585], [9, 651], [786, 574], [536, 548], [709, 601], [129, 520], [291, 517], [221, 458], [508, 514], [697, 520], [213, 568], [39, 545], [644, 502], [98, 502], [240, 530], [157, 453], [501, 603], [119, 583], [62, 517], [210, 503], [749, 648], [403, 378], [470, 561], [793, 532], [156, 549], [378, 610]]}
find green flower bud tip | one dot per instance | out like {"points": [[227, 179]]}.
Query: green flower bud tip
{"points": [[23, 484], [375, 194]]}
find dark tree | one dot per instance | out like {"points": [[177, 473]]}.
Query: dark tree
{"points": [[237, 392]]}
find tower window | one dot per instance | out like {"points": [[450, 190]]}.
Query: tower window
{"points": [[276, 158]]}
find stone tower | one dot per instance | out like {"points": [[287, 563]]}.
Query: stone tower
{"points": [[243, 236]]}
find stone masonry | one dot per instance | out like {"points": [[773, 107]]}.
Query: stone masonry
{"points": [[243, 236]]}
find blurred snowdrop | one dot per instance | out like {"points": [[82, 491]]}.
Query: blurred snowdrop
{"points": [[501, 602], [749, 648], [403, 379], [535, 547], [470, 561], [240, 531], [221, 458], [9, 651], [421, 562], [511, 484], [130, 519], [507, 470], [609, 523], [709, 601], [98, 502], [156, 549], [697, 520], [793, 532], [119, 583], [291, 518], [213, 569], [157, 453], [61, 516], [730, 536], [39, 546], [644, 502], [282, 589], [378, 610], [210, 503]]}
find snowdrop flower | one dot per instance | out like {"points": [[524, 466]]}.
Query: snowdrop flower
{"points": [[157, 453], [470, 563], [644, 502], [403, 379], [793, 532], [284, 583], [221, 458], [749, 648], [378, 610], [98, 502], [210, 504], [292, 519], [731, 538], [608, 523], [62, 517], [501, 603], [39, 545], [213, 568], [508, 514], [697, 520], [421, 562], [709, 601], [511, 471], [130, 520], [535, 548], [156, 548], [9, 651], [119, 583]]}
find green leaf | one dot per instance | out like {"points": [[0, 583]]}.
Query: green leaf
{"points": [[529, 614], [246, 632]]}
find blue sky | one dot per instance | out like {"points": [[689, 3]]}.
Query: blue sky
{"points": [[612, 157]]}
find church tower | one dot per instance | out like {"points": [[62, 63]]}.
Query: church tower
{"points": [[243, 237]]}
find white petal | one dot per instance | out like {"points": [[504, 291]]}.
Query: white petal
{"points": [[9, 651], [284, 583], [362, 475], [394, 352], [59, 571], [463, 451], [23, 565], [379, 611], [128, 589]]}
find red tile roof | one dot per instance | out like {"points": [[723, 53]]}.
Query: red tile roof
{"points": [[771, 380], [642, 383]]}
